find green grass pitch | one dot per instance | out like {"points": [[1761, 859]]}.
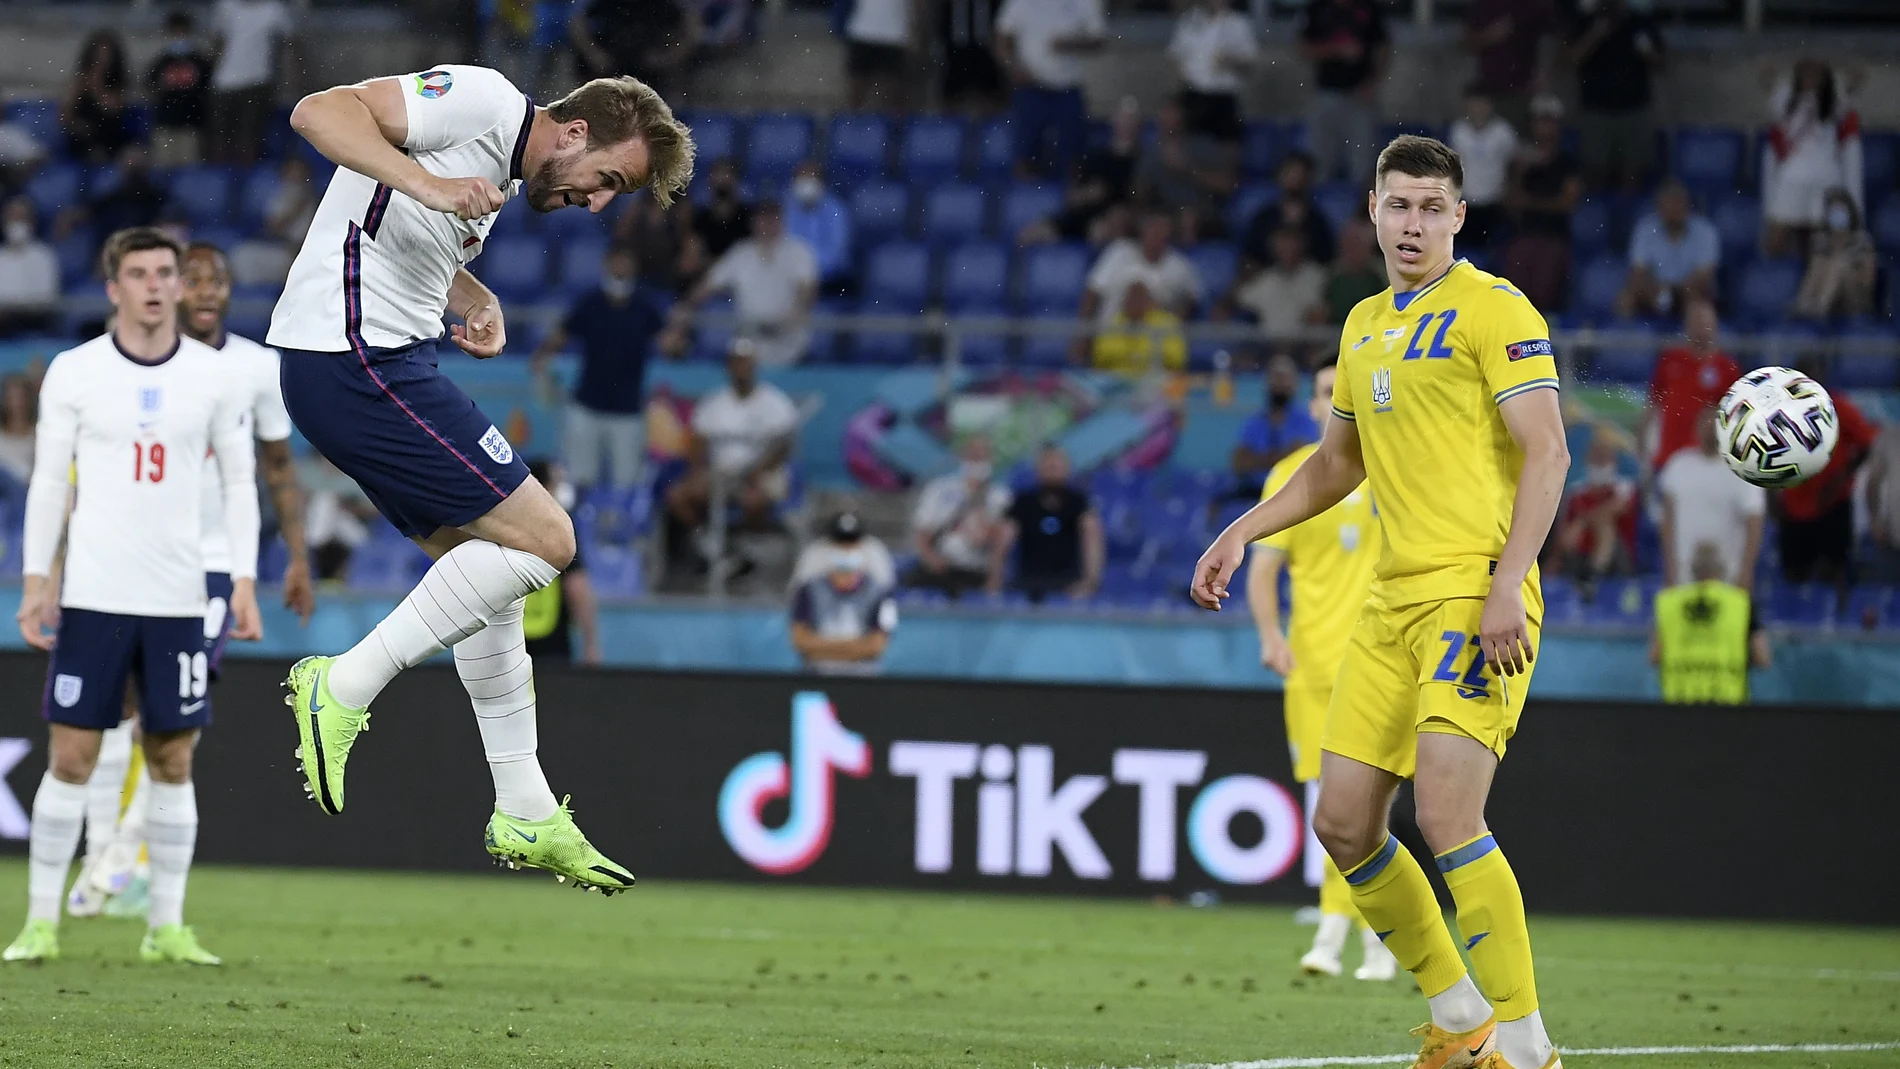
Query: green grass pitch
{"points": [[330, 969]]}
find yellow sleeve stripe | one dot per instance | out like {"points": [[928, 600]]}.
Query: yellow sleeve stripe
{"points": [[1522, 388], [1343, 414]]}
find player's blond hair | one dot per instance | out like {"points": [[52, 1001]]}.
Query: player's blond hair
{"points": [[1421, 157], [133, 239], [620, 109]]}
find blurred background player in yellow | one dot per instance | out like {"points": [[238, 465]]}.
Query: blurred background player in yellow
{"points": [[1446, 403], [1329, 559]]}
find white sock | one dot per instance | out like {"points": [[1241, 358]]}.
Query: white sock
{"points": [[132, 824], [1523, 1042], [171, 829], [106, 787], [1331, 937], [1374, 947], [465, 589], [1460, 1008], [499, 677], [59, 809]]}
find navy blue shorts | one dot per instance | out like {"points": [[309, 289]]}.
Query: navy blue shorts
{"points": [[422, 451], [98, 652], [217, 621]]}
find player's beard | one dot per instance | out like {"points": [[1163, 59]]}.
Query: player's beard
{"points": [[540, 188]]}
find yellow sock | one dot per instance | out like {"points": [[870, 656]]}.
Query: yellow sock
{"points": [[1491, 916], [1335, 894], [1393, 895]]}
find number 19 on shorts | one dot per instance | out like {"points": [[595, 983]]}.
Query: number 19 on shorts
{"points": [[194, 674]]}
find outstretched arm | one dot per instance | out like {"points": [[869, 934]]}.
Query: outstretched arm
{"points": [[1327, 476], [1536, 423]]}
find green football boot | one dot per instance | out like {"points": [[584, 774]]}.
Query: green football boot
{"points": [[38, 941], [176, 943], [556, 845], [326, 729]]}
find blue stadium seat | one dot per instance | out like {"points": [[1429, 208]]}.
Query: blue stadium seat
{"points": [[1595, 286], [983, 350], [1737, 219], [1592, 227], [1865, 370], [932, 149], [1562, 605], [954, 212], [1801, 604], [1340, 201], [568, 224], [224, 237], [1260, 149], [884, 347], [879, 211], [1026, 203], [57, 186], [1885, 223], [1622, 601], [1247, 203], [515, 268], [259, 187], [897, 277], [581, 260], [995, 150], [1049, 348], [1052, 278], [78, 254], [41, 119], [615, 571], [1626, 363], [202, 193], [1765, 287], [1218, 263], [715, 135], [1879, 162], [976, 278], [774, 145], [860, 147], [1708, 159], [1867, 606]]}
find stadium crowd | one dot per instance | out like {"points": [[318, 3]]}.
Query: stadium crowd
{"points": [[1128, 232]]}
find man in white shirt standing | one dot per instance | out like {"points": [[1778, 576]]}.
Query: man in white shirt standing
{"points": [[1703, 502], [112, 845], [1040, 44], [29, 273], [1153, 261], [244, 84], [1487, 144], [1214, 50], [127, 419], [958, 520], [424, 161], [881, 53], [773, 279]]}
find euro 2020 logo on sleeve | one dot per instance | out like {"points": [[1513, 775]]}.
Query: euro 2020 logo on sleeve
{"points": [[433, 84], [819, 745]]}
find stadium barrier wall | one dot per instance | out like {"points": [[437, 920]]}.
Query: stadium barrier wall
{"points": [[1603, 808]]}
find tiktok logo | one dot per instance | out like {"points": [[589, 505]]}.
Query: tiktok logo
{"points": [[819, 745]]}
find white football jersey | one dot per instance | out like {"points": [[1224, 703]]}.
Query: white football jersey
{"points": [[375, 266], [133, 437], [253, 370]]}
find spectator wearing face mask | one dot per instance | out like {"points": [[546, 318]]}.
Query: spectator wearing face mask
{"points": [[819, 218], [726, 219], [842, 620], [773, 280], [614, 328], [29, 274], [1842, 266], [554, 612], [957, 523]]}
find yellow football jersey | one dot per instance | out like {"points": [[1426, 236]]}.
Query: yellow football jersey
{"points": [[1422, 375], [1330, 560]]}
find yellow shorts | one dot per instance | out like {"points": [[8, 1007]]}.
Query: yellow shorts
{"points": [[1419, 669], [1306, 704]]}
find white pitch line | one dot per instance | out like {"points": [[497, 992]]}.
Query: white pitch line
{"points": [[1582, 1052]]}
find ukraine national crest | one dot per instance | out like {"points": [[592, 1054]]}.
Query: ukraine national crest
{"points": [[1382, 388]]}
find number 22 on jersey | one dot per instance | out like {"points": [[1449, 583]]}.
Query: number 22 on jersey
{"points": [[148, 462]]}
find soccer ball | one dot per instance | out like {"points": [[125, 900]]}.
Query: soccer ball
{"points": [[1776, 427]]}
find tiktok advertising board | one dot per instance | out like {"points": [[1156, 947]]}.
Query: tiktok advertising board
{"points": [[1034, 789]]}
